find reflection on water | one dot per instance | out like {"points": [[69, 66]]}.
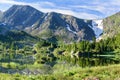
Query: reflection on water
{"points": [[25, 64]]}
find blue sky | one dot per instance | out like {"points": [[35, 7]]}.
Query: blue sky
{"points": [[87, 9]]}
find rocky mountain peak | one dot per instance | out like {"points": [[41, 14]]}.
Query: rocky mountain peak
{"points": [[23, 15]]}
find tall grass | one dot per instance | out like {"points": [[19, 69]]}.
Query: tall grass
{"points": [[111, 72]]}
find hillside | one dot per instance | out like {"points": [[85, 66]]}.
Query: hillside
{"points": [[20, 39], [110, 72], [112, 25]]}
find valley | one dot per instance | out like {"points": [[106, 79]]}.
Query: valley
{"points": [[53, 46]]}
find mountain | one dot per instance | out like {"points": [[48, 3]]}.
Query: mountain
{"points": [[63, 27], [21, 16], [112, 25], [51, 26]]}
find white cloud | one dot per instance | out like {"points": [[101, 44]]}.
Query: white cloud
{"points": [[11, 2], [67, 11], [107, 8], [25, 3], [87, 16], [47, 3]]}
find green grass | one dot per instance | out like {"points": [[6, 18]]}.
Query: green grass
{"points": [[110, 72]]}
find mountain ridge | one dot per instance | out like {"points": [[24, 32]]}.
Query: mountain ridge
{"points": [[49, 25], [56, 25]]}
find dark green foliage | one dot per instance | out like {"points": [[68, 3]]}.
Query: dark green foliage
{"points": [[42, 52]]}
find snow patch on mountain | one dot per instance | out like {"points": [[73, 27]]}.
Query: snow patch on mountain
{"points": [[45, 18], [97, 27], [68, 27]]}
